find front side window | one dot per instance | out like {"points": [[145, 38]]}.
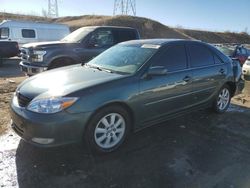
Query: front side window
{"points": [[28, 33], [200, 55], [173, 58], [122, 59], [4, 33], [101, 38]]}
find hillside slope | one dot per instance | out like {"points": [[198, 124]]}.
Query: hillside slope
{"points": [[217, 37], [148, 28]]}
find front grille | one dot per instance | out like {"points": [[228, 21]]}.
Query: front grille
{"points": [[22, 100], [17, 129]]}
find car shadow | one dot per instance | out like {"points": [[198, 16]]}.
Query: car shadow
{"points": [[173, 154], [10, 68]]}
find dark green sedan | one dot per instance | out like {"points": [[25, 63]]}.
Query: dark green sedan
{"points": [[130, 86]]}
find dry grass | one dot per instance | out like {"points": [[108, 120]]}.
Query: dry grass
{"points": [[217, 37], [7, 87]]}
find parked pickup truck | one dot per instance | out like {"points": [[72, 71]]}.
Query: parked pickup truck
{"points": [[78, 47], [8, 49]]}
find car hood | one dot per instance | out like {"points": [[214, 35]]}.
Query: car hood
{"points": [[49, 44], [64, 81]]}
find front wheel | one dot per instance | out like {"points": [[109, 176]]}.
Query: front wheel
{"points": [[107, 129], [222, 100]]}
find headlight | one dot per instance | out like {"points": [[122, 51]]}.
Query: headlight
{"points": [[38, 55], [51, 105]]}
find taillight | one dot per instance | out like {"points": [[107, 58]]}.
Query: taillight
{"points": [[242, 59]]}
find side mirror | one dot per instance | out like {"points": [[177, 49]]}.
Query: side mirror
{"points": [[157, 71]]}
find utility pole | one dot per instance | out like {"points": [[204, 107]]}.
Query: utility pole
{"points": [[124, 7], [52, 9]]}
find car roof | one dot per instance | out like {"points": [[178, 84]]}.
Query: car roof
{"points": [[113, 27], [157, 42]]}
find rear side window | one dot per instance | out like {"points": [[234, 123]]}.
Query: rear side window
{"points": [[4, 33], [124, 35], [28, 33], [173, 58], [200, 55]]}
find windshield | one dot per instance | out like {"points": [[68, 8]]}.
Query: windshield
{"points": [[4, 33], [122, 59], [227, 51], [77, 35]]}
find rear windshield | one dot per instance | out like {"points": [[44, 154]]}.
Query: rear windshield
{"points": [[77, 35], [226, 50], [4, 33]]}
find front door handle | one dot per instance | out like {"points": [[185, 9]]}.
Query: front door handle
{"points": [[187, 78], [222, 71]]}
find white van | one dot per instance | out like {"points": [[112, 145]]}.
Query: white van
{"points": [[26, 32]]}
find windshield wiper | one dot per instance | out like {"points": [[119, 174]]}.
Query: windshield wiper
{"points": [[98, 68]]}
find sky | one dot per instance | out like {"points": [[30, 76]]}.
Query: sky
{"points": [[213, 15]]}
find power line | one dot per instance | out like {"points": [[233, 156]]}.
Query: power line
{"points": [[124, 7], [53, 8]]}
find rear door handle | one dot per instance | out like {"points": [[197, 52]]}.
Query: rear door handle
{"points": [[222, 71], [187, 78]]}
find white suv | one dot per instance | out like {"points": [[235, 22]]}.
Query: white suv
{"points": [[246, 69]]}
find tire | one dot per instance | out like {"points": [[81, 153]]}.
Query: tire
{"points": [[108, 129], [62, 62], [222, 100]]}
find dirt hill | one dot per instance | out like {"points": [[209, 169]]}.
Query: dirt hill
{"points": [[148, 28], [217, 37]]}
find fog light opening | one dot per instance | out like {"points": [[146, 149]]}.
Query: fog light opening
{"points": [[43, 140]]}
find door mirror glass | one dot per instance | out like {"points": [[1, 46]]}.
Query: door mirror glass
{"points": [[157, 71]]}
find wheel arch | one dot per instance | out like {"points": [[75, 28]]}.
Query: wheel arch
{"points": [[55, 59], [232, 86], [120, 104]]}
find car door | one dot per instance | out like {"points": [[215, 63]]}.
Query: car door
{"points": [[208, 71], [98, 41], [166, 94]]}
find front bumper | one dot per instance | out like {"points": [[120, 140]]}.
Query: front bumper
{"points": [[58, 129], [31, 69]]}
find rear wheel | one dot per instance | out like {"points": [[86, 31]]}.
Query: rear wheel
{"points": [[108, 129], [222, 100]]}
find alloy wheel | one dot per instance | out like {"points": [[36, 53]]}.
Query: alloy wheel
{"points": [[223, 99], [110, 130]]}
